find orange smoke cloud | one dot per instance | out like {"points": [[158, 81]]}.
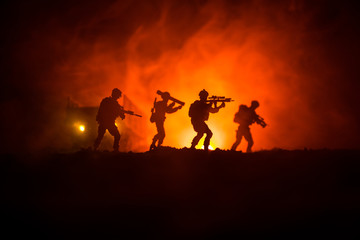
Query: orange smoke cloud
{"points": [[246, 51]]}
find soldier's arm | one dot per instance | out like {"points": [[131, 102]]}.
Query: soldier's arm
{"points": [[172, 109], [215, 109]]}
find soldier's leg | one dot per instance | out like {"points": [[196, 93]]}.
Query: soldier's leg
{"points": [[101, 132], [249, 139], [152, 146], [161, 132], [199, 128], [238, 139], [155, 138], [115, 132], [196, 139], [208, 137]]}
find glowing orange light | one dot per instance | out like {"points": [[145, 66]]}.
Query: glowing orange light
{"points": [[210, 147], [188, 134], [82, 128]]}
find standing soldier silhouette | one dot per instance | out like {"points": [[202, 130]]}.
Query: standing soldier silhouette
{"points": [[199, 113], [108, 111], [245, 117], [158, 116]]}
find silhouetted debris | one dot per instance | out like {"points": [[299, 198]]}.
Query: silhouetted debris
{"points": [[179, 193]]}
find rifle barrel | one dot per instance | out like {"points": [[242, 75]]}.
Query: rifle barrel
{"points": [[217, 97], [131, 113], [219, 100]]}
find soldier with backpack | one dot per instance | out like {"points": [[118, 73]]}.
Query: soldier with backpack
{"points": [[245, 117], [199, 113], [108, 111]]}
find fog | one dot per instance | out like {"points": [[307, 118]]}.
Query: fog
{"points": [[297, 58]]}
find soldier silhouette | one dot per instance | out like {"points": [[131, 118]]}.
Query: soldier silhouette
{"points": [[199, 113], [108, 111], [245, 117], [158, 116]]}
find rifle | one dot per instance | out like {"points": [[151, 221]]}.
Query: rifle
{"points": [[152, 117], [153, 108], [131, 113], [216, 99], [259, 120], [171, 98]]}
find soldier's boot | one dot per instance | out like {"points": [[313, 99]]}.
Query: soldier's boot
{"points": [[153, 146], [161, 140], [234, 146], [250, 144]]}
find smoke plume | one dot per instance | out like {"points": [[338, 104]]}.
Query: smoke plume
{"points": [[297, 58]]}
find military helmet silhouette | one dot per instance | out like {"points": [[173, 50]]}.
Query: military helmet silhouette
{"points": [[203, 94], [165, 95], [116, 92], [255, 104]]}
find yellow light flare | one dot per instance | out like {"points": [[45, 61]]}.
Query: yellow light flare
{"points": [[82, 128], [188, 134], [210, 147]]}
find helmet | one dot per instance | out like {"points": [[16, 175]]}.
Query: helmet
{"points": [[116, 92], [203, 94], [165, 95], [255, 104]]}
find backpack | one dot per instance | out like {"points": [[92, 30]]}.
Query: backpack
{"points": [[241, 114], [192, 110]]}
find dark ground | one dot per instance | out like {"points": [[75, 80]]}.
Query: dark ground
{"points": [[173, 193]]}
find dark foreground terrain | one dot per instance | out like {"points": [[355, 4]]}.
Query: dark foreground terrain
{"points": [[172, 193]]}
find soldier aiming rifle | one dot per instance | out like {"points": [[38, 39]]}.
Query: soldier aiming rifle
{"points": [[108, 111], [246, 116], [199, 113], [158, 112]]}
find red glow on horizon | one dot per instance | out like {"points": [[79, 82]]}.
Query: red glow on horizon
{"points": [[240, 61], [245, 51]]}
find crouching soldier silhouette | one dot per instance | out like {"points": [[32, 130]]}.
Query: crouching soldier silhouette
{"points": [[199, 113], [245, 117], [108, 111], [158, 116]]}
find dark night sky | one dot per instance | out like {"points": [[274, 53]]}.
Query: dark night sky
{"points": [[43, 42]]}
